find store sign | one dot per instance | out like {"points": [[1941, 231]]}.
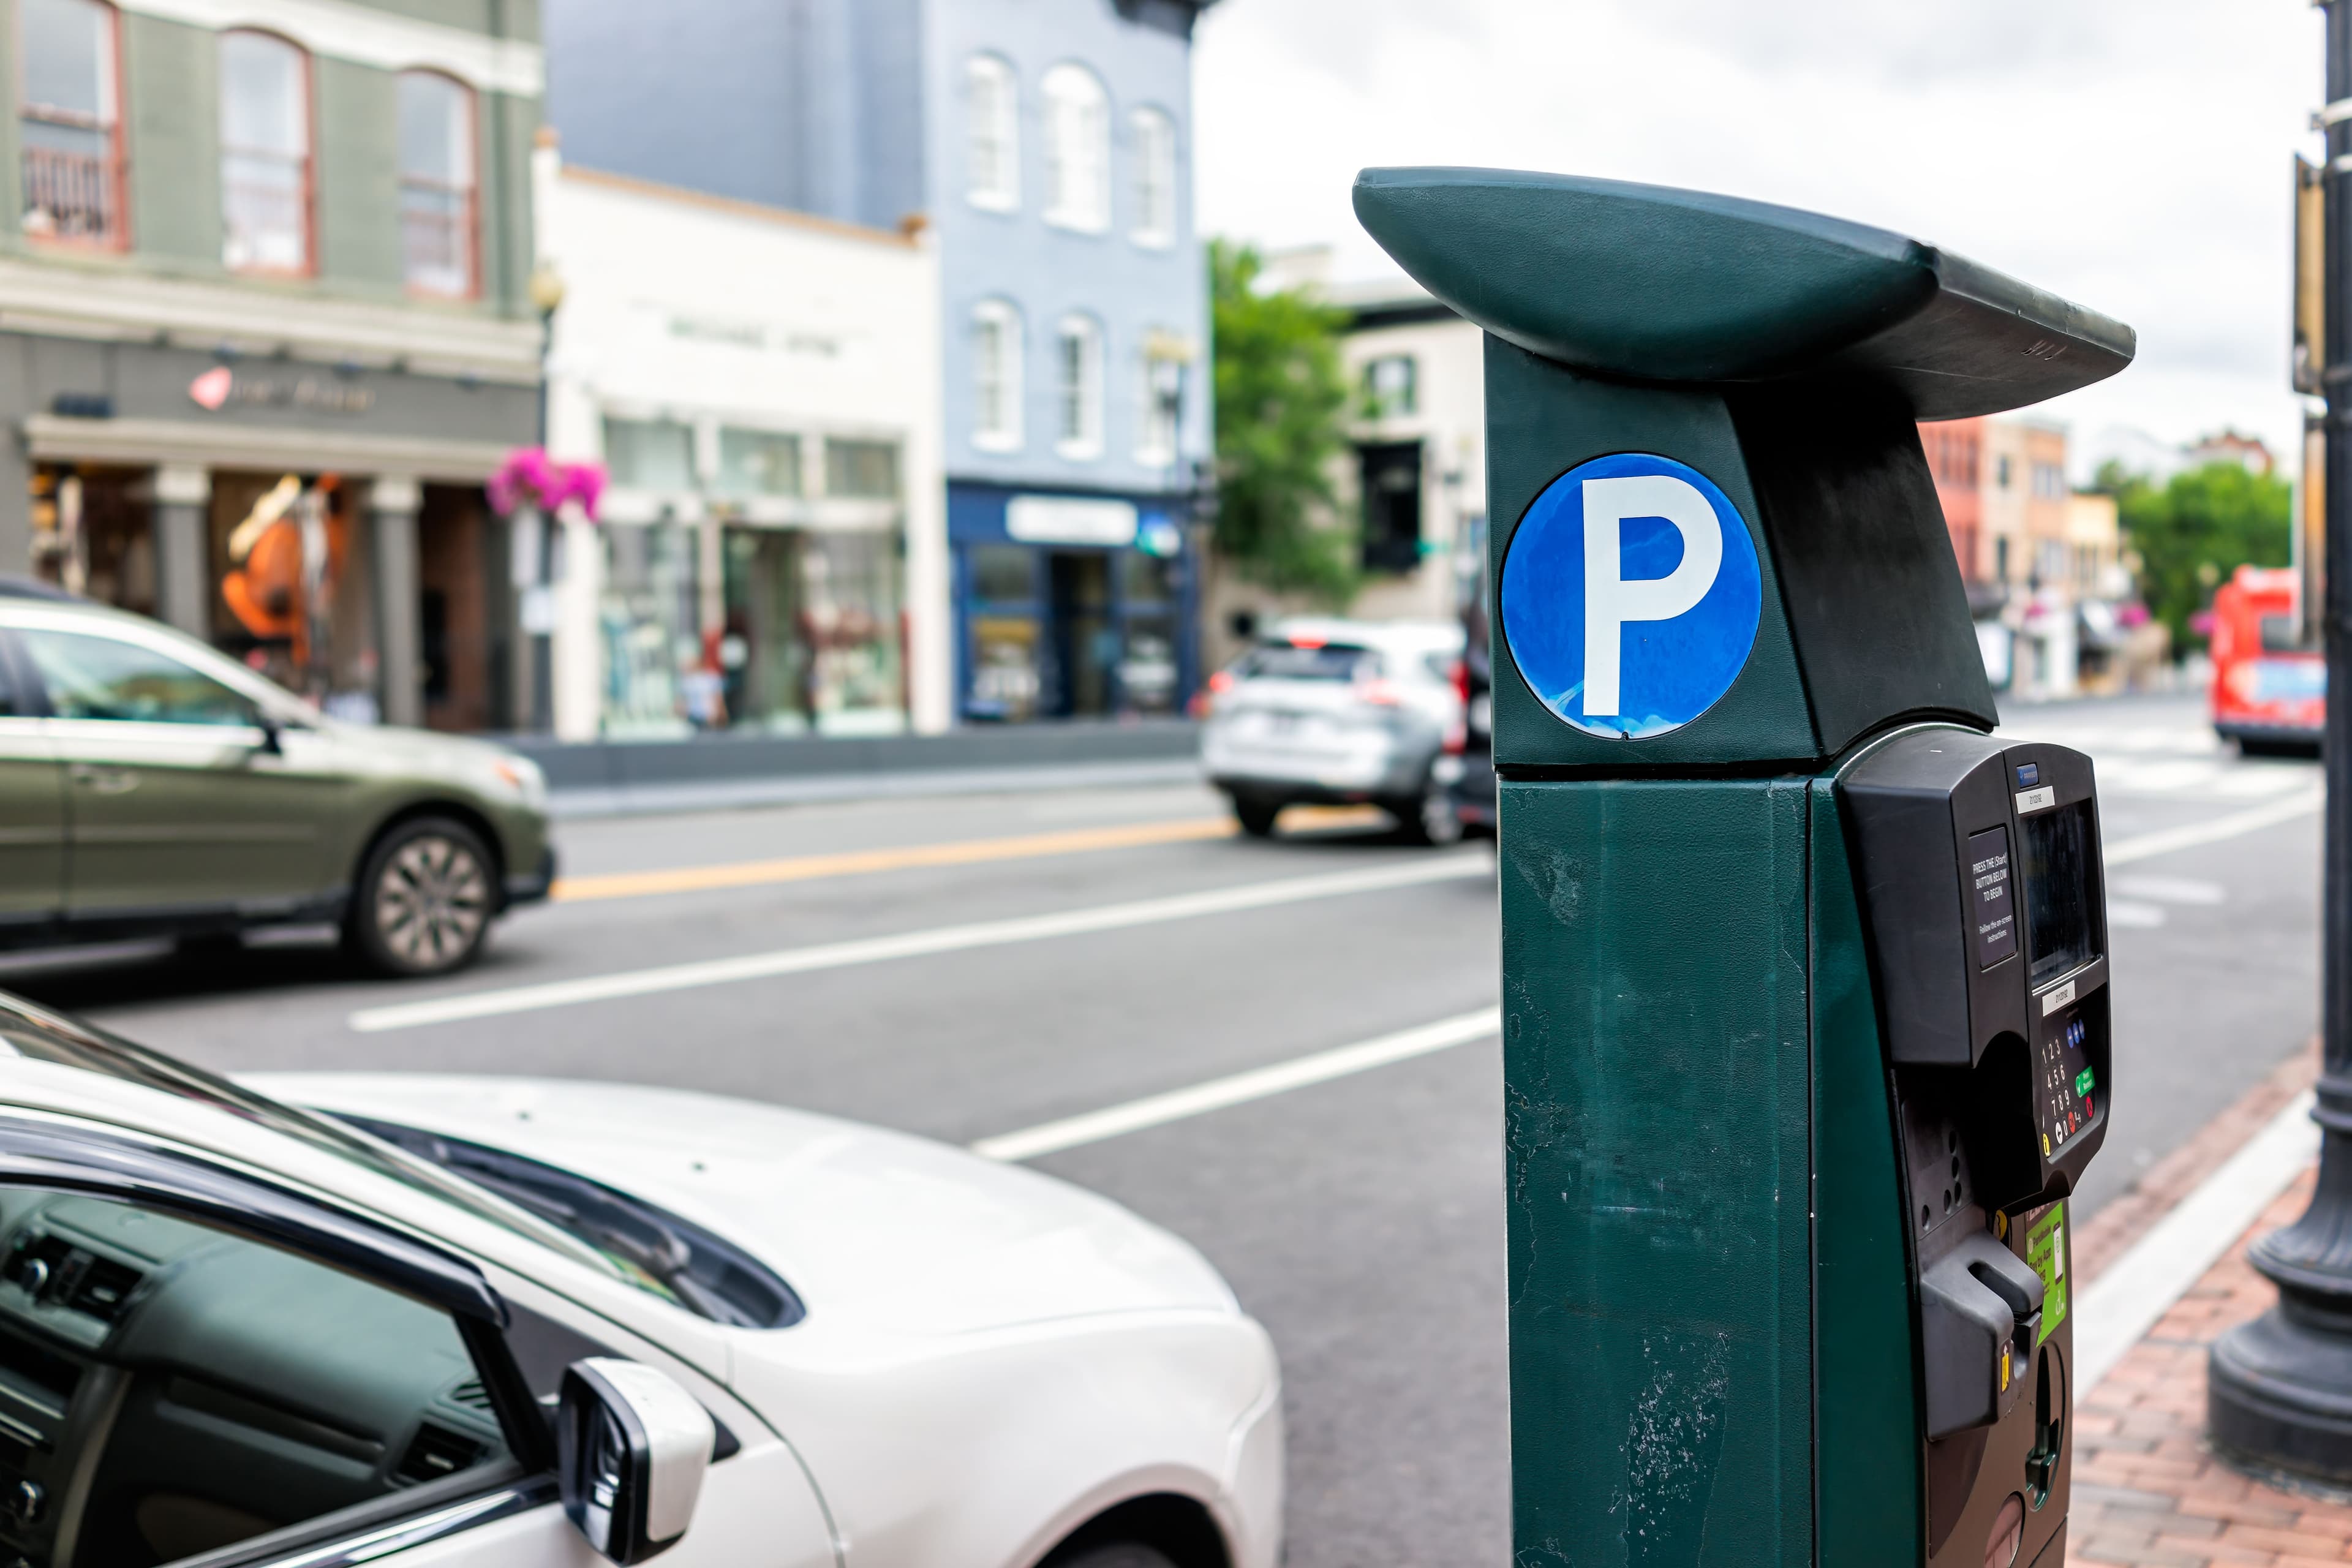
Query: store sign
{"points": [[750, 334], [219, 387], [1063, 520]]}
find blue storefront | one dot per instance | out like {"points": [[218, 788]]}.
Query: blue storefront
{"points": [[1070, 604]]}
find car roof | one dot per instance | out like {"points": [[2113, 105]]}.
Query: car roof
{"points": [[1405, 635]]}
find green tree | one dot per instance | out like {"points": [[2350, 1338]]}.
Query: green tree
{"points": [[2193, 533], [1282, 407]]}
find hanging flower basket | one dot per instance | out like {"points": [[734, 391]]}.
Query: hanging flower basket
{"points": [[529, 478]]}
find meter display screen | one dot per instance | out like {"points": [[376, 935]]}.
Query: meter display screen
{"points": [[2059, 922]]}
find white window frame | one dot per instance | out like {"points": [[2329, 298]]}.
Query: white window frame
{"points": [[992, 134], [1078, 398], [1078, 150], [1154, 137], [1002, 319]]}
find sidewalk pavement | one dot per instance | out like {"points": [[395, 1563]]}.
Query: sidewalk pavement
{"points": [[2148, 1492]]}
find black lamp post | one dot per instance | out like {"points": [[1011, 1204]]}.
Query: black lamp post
{"points": [[2279, 1389]]}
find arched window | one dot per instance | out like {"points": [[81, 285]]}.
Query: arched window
{"points": [[1077, 354], [1155, 178], [70, 126], [992, 132], [438, 201], [265, 138], [996, 377], [1078, 150]]}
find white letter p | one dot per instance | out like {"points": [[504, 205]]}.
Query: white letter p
{"points": [[1610, 600]]}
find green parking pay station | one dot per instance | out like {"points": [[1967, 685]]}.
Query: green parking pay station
{"points": [[1805, 982]]}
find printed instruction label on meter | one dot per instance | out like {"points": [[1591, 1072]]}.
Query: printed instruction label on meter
{"points": [[2045, 1251]]}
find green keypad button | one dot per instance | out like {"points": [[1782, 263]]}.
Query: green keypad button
{"points": [[2083, 1081]]}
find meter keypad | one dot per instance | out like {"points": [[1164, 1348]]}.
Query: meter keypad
{"points": [[2066, 1086]]}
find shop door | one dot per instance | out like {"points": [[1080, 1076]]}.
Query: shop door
{"points": [[1085, 643]]}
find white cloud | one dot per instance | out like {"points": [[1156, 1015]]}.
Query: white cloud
{"points": [[2129, 154]]}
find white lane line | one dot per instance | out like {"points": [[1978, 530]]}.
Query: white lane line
{"points": [[1240, 1088], [2170, 889], [915, 944], [2131, 1296], [2191, 836]]}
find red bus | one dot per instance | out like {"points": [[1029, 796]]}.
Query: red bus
{"points": [[2269, 688]]}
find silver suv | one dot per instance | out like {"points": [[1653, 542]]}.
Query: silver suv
{"points": [[1341, 712]]}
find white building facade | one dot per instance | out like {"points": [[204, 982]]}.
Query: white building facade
{"points": [[764, 390], [1416, 473]]}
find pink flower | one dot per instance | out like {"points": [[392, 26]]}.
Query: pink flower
{"points": [[529, 478]]}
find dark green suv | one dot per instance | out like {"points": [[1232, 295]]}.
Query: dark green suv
{"points": [[149, 785]]}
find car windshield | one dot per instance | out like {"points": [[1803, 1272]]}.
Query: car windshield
{"points": [[1299, 662], [670, 1255], [38, 1035]]}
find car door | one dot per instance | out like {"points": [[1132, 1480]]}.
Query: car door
{"points": [[32, 808], [203, 1368], [177, 797]]}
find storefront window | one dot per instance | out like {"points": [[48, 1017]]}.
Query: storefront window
{"points": [[653, 647], [869, 468], [649, 455], [812, 639], [1147, 629], [758, 463], [1005, 678]]}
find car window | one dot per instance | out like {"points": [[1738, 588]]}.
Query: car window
{"points": [[88, 677], [1323, 662], [172, 1389]]}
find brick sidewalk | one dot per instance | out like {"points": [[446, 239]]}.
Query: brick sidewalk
{"points": [[2148, 1492]]}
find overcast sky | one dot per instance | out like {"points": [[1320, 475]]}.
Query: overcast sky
{"points": [[2133, 155]]}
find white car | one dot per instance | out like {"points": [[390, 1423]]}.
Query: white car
{"points": [[455, 1321], [1330, 711]]}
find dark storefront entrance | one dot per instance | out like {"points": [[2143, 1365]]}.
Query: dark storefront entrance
{"points": [[1093, 624]]}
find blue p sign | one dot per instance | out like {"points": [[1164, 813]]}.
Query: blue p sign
{"points": [[1630, 595]]}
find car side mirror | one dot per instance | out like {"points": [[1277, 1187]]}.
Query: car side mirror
{"points": [[272, 734], [631, 1449]]}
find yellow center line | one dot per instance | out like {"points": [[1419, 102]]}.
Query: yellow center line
{"points": [[968, 852]]}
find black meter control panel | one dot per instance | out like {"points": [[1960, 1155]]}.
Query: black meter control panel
{"points": [[1985, 906], [1985, 915]]}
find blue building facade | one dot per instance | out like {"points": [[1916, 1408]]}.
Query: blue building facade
{"points": [[1048, 145]]}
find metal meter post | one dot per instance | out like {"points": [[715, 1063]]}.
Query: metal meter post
{"points": [[1786, 1142]]}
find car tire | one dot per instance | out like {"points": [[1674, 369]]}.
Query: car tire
{"points": [[1429, 817], [1256, 815], [1115, 1554], [424, 900]]}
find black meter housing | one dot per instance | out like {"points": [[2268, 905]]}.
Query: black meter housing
{"points": [[1985, 910]]}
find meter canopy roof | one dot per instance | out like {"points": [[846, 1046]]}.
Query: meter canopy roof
{"points": [[1655, 284]]}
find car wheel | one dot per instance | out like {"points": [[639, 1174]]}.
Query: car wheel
{"points": [[1256, 815], [1430, 819], [424, 900], [1117, 1554]]}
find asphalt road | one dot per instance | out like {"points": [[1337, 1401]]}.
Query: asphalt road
{"points": [[1095, 953]]}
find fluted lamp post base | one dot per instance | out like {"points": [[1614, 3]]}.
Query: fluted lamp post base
{"points": [[2278, 1390]]}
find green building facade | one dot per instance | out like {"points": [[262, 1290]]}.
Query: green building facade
{"points": [[270, 262]]}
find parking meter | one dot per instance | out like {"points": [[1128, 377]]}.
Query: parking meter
{"points": [[1805, 987]]}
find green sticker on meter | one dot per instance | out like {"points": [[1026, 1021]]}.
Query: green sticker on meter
{"points": [[2045, 1249]]}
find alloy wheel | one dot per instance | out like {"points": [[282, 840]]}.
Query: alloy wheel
{"points": [[432, 899]]}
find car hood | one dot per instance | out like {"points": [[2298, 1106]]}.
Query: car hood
{"points": [[426, 750], [896, 1233]]}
